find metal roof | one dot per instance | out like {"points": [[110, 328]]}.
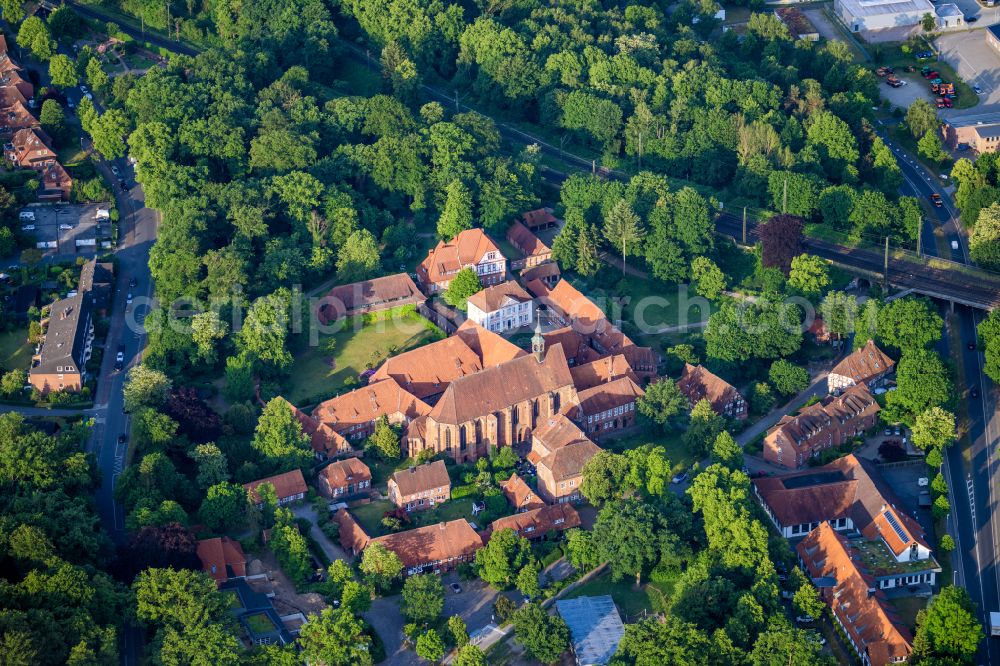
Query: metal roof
{"points": [[595, 626]]}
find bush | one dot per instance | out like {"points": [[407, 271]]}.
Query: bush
{"points": [[552, 557], [459, 492]]}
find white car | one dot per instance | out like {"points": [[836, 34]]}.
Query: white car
{"points": [[88, 96], [115, 171], [128, 299], [28, 227], [27, 216], [65, 227], [83, 89]]}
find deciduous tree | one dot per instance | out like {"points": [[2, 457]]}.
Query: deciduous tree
{"points": [[787, 377], [279, 437], [623, 229], [503, 557], [662, 403], [464, 284], [145, 387], [934, 428], [544, 636], [626, 536], [808, 274], [380, 565], [423, 598], [984, 241], [948, 630], [909, 323], [781, 241], [710, 281], [62, 71], [335, 638]]}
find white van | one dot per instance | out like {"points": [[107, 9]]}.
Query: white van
{"points": [[954, 245], [27, 216]]}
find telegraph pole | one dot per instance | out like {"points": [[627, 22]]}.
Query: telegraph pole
{"points": [[885, 265], [784, 197], [744, 225], [920, 231]]}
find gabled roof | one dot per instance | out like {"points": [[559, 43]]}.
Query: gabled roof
{"points": [[568, 301], [427, 370], [65, 336], [539, 521], [861, 608], [865, 363], [285, 485], [601, 371], [795, 431], [324, 439], [607, 396], [849, 487], [568, 462], [29, 148], [493, 298], [699, 383], [522, 238], [352, 536], [540, 272], [222, 558], [466, 249], [520, 495], [347, 471], [538, 217], [10, 94], [501, 386], [370, 292], [556, 432], [491, 348], [574, 344], [421, 478], [368, 403], [433, 543]]}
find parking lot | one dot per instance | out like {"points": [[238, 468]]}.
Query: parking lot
{"points": [[975, 61], [68, 230]]}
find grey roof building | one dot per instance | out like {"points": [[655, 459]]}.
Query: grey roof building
{"points": [[594, 625], [97, 280], [61, 360]]}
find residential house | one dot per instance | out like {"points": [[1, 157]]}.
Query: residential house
{"points": [[595, 628], [490, 347], [541, 218], [222, 558], [427, 371], [60, 362], [863, 612], [326, 442], [255, 614], [421, 487], [547, 273], [698, 383], [520, 495], [850, 495], [353, 415], [608, 408], [352, 536], [868, 365], [436, 548], [57, 184], [16, 117], [824, 425], [498, 406], [534, 252], [345, 479], [602, 371], [288, 487], [559, 450], [537, 523], [10, 94], [471, 248], [383, 293], [502, 307], [12, 79], [97, 281], [27, 150]]}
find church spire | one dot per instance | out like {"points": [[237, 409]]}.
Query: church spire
{"points": [[538, 342]]}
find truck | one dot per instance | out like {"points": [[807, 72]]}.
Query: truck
{"points": [[994, 623]]}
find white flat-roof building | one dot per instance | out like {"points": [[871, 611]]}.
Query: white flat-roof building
{"points": [[950, 17], [863, 15]]}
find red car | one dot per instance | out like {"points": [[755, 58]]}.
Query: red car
{"points": [[947, 102], [936, 200]]}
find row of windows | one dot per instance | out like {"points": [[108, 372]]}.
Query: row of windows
{"points": [[610, 413]]}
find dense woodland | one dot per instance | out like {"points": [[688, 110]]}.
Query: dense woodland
{"points": [[272, 173]]}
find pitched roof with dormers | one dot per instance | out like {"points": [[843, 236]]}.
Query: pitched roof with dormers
{"points": [[699, 383], [796, 431], [615, 393], [466, 249], [520, 495], [499, 387], [421, 478], [285, 485], [493, 298], [429, 369], [222, 558], [864, 364], [345, 472], [491, 348], [537, 522], [433, 543], [602, 371], [849, 487], [861, 609], [28, 148], [556, 432], [568, 461], [368, 403]]}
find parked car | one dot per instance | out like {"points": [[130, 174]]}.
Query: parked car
{"points": [[455, 587], [977, 90], [26, 216], [115, 171], [65, 227], [936, 200], [128, 299], [680, 478], [27, 227], [133, 283], [804, 619]]}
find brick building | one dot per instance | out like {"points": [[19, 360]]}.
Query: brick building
{"points": [[698, 383], [534, 251], [382, 293], [289, 487], [353, 415], [421, 487], [470, 249], [344, 479], [868, 365], [60, 364]]}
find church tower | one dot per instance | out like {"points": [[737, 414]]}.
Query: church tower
{"points": [[538, 342]]}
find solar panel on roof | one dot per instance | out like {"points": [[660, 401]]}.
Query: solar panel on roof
{"points": [[900, 532]]}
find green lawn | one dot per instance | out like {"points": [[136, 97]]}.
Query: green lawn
{"points": [[676, 453], [631, 602], [650, 305], [369, 516], [260, 623], [15, 350], [316, 376]]}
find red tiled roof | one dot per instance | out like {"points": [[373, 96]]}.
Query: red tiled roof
{"points": [[222, 558], [539, 217], [602, 371], [352, 536], [493, 298], [499, 387], [422, 477], [525, 241], [861, 608], [368, 294], [368, 403], [699, 383], [347, 471], [568, 301], [491, 348], [29, 148], [520, 495], [796, 431], [540, 272], [433, 543], [285, 485], [556, 432], [324, 439], [466, 249], [427, 370], [574, 345], [537, 522], [608, 396], [567, 462], [865, 363]]}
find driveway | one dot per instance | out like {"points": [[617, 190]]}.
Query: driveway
{"points": [[332, 550], [385, 617], [816, 388], [474, 603], [975, 61]]}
